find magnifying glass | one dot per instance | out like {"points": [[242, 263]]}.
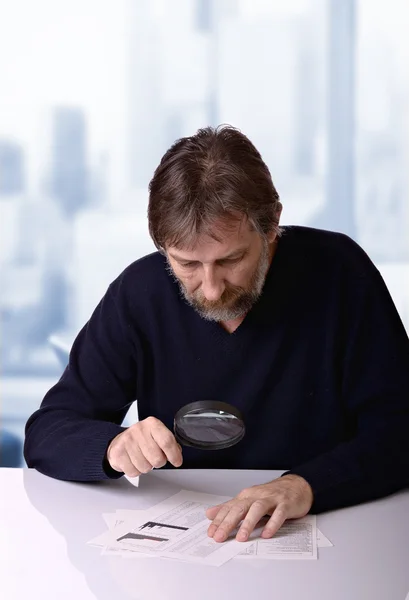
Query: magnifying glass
{"points": [[208, 425]]}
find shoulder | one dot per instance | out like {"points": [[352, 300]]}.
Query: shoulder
{"points": [[144, 280], [322, 249]]}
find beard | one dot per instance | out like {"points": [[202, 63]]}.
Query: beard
{"points": [[236, 301]]}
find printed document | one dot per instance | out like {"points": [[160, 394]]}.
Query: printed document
{"points": [[177, 528]]}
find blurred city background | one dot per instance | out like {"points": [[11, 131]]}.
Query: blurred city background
{"points": [[93, 92]]}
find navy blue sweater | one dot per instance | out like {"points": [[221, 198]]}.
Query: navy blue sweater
{"points": [[319, 368]]}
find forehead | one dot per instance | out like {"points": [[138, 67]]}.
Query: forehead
{"points": [[231, 236]]}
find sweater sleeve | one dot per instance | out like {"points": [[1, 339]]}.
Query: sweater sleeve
{"points": [[68, 436], [374, 461]]}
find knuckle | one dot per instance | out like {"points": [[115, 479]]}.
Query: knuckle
{"points": [[112, 453], [240, 510], [131, 472], [244, 493], [283, 507], [158, 461], [132, 433], [284, 498], [117, 446], [167, 441], [225, 509], [116, 455], [259, 504], [145, 469], [134, 427], [150, 421]]}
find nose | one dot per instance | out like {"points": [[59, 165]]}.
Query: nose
{"points": [[212, 285]]}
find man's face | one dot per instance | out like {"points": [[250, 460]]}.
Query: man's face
{"points": [[222, 280]]}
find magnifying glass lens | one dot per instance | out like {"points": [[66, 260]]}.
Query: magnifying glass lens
{"points": [[209, 425]]}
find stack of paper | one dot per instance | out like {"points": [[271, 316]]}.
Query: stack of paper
{"points": [[177, 528]]}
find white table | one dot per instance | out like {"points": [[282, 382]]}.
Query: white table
{"points": [[45, 524]]}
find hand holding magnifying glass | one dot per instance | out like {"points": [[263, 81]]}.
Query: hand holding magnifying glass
{"points": [[149, 444]]}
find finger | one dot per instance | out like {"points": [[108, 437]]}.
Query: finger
{"points": [[138, 459], [256, 512], [212, 511], [125, 466], [275, 522], [167, 443], [152, 452], [235, 515], [223, 511]]}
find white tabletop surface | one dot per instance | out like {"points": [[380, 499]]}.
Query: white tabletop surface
{"points": [[45, 524]]}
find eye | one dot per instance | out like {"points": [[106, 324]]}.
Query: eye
{"points": [[231, 261], [188, 265]]}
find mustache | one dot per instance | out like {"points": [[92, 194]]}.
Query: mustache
{"points": [[229, 296]]}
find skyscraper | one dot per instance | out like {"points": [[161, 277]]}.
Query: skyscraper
{"points": [[173, 76], [309, 108], [145, 111], [338, 213], [208, 16], [382, 182], [68, 161], [12, 169], [258, 83]]}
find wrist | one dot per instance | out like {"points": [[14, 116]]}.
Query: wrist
{"points": [[108, 453], [303, 483]]}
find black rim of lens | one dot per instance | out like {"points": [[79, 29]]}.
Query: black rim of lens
{"points": [[207, 405]]}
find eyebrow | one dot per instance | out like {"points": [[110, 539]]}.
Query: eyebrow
{"points": [[234, 254]]}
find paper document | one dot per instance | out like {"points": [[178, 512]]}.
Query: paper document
{"points": [[177, 529], [322, 541], [174, 528], [114, 520], [295, 539], [117, 518]]}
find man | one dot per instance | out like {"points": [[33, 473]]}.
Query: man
{"points": [[293, 326]]}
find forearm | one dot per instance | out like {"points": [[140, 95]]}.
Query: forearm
{"points": [[372, 465], [69, 447]]}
